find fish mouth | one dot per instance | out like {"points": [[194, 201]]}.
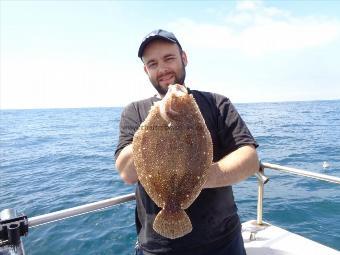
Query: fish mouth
{"points": [[177, 89]]}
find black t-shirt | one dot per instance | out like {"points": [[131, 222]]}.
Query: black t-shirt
{"points": [[213, 214]]}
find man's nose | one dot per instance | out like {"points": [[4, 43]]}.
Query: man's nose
{"points": [[163, 68]]}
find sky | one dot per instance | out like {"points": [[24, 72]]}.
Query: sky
{"points": [[74, 54]]}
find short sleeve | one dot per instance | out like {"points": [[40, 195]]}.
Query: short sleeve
{"points": [[129, 123], [232, 130]]}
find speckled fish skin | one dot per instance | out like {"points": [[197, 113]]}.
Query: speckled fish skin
{"points": [[172, 162]]}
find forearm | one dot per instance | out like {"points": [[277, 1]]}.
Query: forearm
{"points": [[233, 168], [126, 166]]}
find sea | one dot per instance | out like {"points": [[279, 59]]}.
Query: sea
{"points": [[54, 159]]}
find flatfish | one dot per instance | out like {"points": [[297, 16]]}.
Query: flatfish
{"points": [[172, 156]]}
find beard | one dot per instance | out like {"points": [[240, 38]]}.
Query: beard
{"points": [[179, 79]]}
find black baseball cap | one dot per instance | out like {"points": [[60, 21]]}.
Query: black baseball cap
{"points": [[157, 34]]}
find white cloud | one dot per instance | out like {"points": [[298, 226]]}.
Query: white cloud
{"points": [[61, 81], [255, 29], [248, 5]]}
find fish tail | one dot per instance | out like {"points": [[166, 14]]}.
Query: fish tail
{"points": [[172, 224]]}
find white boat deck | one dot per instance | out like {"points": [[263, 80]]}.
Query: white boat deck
{"points": [[271, 240]]}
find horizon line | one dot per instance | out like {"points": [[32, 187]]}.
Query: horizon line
{"points": [[113, 106]]}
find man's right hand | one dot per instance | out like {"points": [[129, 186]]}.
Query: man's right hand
{"points": [[126, 166]]}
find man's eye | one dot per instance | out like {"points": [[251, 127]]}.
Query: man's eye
{"points": [[152, 65], [169, 59]]}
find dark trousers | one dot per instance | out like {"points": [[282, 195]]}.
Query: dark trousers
{"points": [[234, 247]]}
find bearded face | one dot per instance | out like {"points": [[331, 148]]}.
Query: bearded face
{"points": [[164, 63], [161, 84]]}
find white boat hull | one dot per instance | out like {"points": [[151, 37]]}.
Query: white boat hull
{"points": [[267, 239]]}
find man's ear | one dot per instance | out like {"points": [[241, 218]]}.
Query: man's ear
{"points": [[145, 70], [184, 58]]}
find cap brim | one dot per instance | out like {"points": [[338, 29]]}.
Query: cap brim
{"points": [[149, 39]]}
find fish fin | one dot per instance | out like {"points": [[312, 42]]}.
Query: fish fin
{"points": [[172, 224]]}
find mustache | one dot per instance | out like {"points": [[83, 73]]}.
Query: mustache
{"points": [[165, 74]]}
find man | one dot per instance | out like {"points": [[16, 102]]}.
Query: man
{"points": [[216, 225]]}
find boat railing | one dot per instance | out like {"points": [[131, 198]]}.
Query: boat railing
{"points": [[263, 179], [9, 219], [79, 210], [103, 204]]}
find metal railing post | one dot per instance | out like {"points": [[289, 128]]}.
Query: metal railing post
{"points": [[260, 202], [262, 179]]}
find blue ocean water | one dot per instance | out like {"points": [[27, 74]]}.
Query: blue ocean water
{"points": [[54, 159]]}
